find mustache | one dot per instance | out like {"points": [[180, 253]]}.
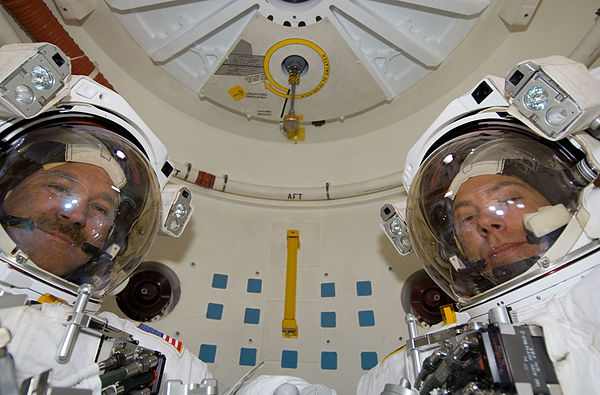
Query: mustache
{"points": [[46, 223], [78, 239]]}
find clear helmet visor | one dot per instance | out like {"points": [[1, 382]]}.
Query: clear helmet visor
{"points": [[79, 204], [485, 206]]}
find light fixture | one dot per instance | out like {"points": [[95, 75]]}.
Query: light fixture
{"points": [[180, 210], [176, 209], [556, 116], [24, 95], [536, 98], [31, 78], [42, 78], [556, 96], [394, 226]]}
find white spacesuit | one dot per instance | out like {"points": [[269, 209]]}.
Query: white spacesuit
{"points": [[82, 183], [502, 210]]}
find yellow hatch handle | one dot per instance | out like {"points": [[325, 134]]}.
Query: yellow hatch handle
{"points": [[289, 328]]}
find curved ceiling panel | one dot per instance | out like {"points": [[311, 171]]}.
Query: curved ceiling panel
{"points": [[357, 54]]}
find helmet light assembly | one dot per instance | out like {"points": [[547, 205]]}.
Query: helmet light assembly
{"points": [[394, 226], [31, 76], [555, 96]]}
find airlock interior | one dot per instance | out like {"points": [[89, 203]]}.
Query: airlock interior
{"points": [[378, 75]]}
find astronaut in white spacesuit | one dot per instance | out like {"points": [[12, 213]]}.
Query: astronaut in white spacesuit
{"points": [[80, 204], [65, 198], [502, 210]]}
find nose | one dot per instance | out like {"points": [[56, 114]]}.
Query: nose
{"points": [[488, 223], [74, 211]]}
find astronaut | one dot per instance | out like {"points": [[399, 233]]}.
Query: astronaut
{"points": [[502, 210], [81, 185]]}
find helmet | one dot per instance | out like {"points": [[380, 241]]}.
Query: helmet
{"points": [[78, 204], [487, 203]]}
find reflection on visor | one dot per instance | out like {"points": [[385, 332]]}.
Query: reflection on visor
{"points": [[100, 209], [69, 211], [488, 215], [466, 216]]}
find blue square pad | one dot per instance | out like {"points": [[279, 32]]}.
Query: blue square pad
{"points": [[368, 359], [214, 311], [251, 316], [329, 360], [327, 290], [366, 318], [248, 356], [254, 285], [363, 288], [207, 353], [220, 281], [289, 359], [328, 319]]}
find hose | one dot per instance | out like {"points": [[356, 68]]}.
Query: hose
{"points": [[186, 172]]}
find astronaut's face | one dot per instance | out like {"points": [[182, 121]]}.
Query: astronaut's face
{"points": [[71, 206], [488, 216]]}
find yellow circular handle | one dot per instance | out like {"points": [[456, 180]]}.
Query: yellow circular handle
{"points": [[278, 89]]}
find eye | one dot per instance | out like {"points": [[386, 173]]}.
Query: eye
{"points": [[57, 188], [466, 215], [101, 210], [467, 219]]}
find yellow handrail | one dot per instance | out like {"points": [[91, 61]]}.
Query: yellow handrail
{"points": [[289, 327]]}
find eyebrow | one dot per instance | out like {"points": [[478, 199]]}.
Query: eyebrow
{"points": [[104, 196], [491, 188]]}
